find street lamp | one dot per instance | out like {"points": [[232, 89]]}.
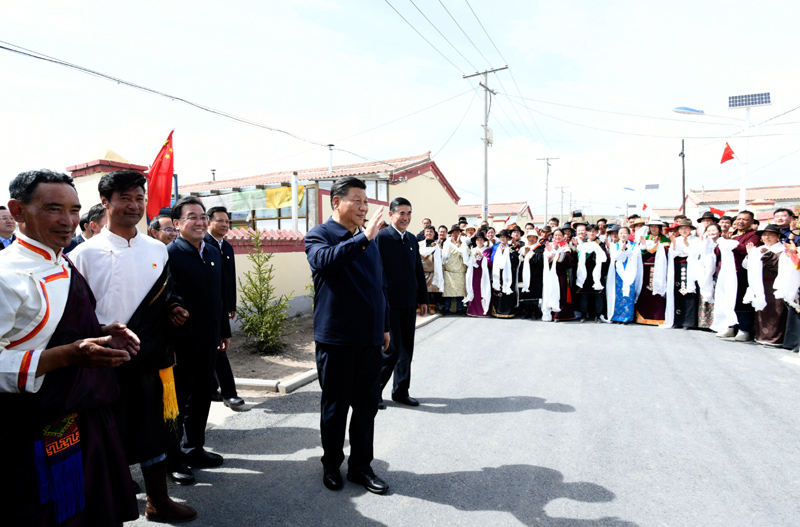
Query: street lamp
{"points": [[736, 101]]}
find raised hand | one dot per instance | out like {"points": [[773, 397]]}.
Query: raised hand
{"points": [[374, 224]]}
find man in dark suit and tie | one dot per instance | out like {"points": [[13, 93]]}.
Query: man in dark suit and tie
{"points": [[197, 271], [351, 329], [7, 228], [407, 288], [218, 226]]}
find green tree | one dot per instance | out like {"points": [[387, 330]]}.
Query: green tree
{"points": [[264, 317]]}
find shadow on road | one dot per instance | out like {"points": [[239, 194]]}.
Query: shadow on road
{"points": [[486, 405], [522, 490]]}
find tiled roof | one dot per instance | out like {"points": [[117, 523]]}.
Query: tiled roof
{"points": [[667, 212], [241, 237], [310, 174], [494, 208], [783, 192]]}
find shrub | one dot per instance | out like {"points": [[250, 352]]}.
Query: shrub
{"points": [[264, 317]]}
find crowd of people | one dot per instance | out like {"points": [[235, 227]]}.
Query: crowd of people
{"points": [[728, 275]]}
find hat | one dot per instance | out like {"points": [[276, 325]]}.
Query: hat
{"points": [[655, 219], [505, 233], [517, 228], [614, 228], [531, 232], [707, 215], [546, 228], [567, 225], [481, 236], [638, 221], [462, 219], [577, 220], [684, 222], [454, 228], [770, 228], [468, 227]]}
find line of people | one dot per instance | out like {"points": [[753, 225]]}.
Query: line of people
{"points": [[723, 274], [108, 355]]}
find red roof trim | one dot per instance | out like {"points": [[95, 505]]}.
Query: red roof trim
{"points": [[272, 240], [431, 166], [93, 167]]}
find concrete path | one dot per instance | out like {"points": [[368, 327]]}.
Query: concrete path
{"points": [[532, 423]]}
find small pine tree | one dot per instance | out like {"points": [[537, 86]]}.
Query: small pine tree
{"points": [[264, 318]]}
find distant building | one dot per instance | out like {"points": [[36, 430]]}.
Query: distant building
{"points": [[516, 212]]}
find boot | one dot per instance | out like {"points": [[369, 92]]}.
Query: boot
{"points": [[160, 507]]}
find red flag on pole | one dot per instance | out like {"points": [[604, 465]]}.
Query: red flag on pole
{"points": [[727, 154], [644, 207], [508, 218], [159, 179], [718, 212]]}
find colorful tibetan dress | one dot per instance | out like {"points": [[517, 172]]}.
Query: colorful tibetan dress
{"points": [[652, 303], [770, 323], [481, 274]]}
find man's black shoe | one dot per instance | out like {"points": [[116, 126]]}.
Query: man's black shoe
{"points": [[407, 400], [216, 396], [332, 479], [370, 481], [181, 474], [200, 458], [381, 405], [233, 402]]}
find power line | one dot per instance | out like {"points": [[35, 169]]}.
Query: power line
{"points": [[458, 125], [442, 34], [46, 58], [486, 32], [423, 38], [465, 34]]}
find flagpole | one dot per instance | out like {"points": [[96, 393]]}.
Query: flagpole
{"points": [[743, 185], [683, 178]]}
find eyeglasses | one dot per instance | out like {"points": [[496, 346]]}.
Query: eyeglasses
{"points": [[193, 218], [169, 230]]}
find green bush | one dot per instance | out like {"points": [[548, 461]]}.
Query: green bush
{"points": [[264, 318]]}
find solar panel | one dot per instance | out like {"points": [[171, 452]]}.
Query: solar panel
{"points": [[654, 186], [744, 101]]}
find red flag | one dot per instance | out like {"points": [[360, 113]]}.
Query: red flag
{"points": [[727, 154], [644, 207], [718, 212], [509, 217], [159, 179]]}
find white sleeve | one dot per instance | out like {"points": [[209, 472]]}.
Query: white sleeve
{"points": [[17, 366]]}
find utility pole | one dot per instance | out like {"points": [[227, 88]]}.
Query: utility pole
{"points": [[546, 184], [683, 179], [486, 90], [561, 214]]}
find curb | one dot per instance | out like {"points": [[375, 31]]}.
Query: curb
{"points": [[290, 385]]}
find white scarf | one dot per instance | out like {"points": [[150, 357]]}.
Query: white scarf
{"points": [[755, 272], [551, 288], [438, 277], [630, 274], [691, 252], [486, 291], [526, 267], [502, 262], [449, 248], [584, 250], [787, 282], [659, 267], [726, 289], [708, 264]]}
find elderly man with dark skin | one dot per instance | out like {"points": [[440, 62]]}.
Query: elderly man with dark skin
{"points": [[407, 288], [351, 329], [197, 271], [65, 462]]}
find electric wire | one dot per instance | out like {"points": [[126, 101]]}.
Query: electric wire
{"points": [[423, 37], [442, 35], [465, 34], [474, 95]]}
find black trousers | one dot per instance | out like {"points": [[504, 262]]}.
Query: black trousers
{"points": [[350, 378], [397, 359], [194, 373], [223, 376], [597, 303]]}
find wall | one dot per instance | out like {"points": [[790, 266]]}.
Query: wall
{"points": [[291, 273], [428, 200]]}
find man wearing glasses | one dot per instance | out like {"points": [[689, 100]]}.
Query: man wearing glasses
{"points": [[161, 229], [197, 270], [218, 226]]}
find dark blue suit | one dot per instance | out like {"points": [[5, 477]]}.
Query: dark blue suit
{"points": [[222, 367], [198, 281], [407, 287], [351, 315]]}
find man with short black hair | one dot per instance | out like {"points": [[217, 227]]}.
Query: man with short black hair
{"points": [[162, 229], [197, 270], [783, 219], [63, 459], [97, 219], [7, 228], [602, 226], [130, 275], [349, 282], [407, 289], [218, 226], [553, 223]]}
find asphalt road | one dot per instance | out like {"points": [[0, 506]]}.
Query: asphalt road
{"points": [[533, 423]]}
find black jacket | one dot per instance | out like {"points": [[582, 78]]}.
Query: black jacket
{"points": [[402, 265], [228, 272], [198, 281]]}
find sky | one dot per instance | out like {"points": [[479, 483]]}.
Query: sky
{"points": [[591, 83]]}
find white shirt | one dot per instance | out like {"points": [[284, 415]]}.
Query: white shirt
{"points": [[120, 273], [34, 286]]}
